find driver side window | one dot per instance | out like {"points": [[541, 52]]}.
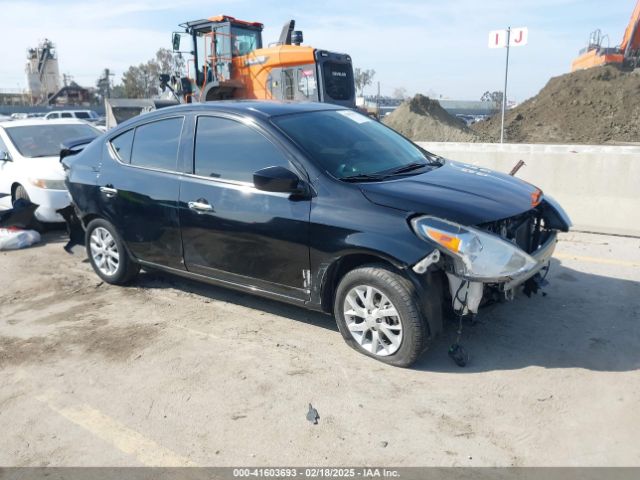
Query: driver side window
{"points": [[229, 150]]}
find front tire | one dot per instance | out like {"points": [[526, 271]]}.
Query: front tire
{"points": [[378, 314], [107, 254]]}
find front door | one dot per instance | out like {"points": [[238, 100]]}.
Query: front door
{"points": [[231, 230]]}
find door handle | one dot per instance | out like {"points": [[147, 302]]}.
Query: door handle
{"points": [[200, 206], [109, 192]]}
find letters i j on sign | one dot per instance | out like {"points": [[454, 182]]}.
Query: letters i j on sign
{"points": [[511, 37]]}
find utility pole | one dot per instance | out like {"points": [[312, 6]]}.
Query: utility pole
{"points": [[504, 93], [107, 74], [104, 83]]}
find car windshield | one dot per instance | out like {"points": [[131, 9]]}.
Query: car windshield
{"points": [[45, 140], [349, 145]]}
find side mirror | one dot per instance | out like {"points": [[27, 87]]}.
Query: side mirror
{"points": [[4, 156], [164, 78], [175, 41], [277, 179]]}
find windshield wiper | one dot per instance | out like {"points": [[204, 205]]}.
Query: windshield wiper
{"points": [[405, 168], [363, 177]]}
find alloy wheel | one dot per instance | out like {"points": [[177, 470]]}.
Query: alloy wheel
{"points": [[104, 251], [373, 320]]}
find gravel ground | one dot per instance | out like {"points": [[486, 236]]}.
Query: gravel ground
{"points": [[170, 372]]}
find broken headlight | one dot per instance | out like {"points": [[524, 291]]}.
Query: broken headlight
{"points": [[477, 255]]}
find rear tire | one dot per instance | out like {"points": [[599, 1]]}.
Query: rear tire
{"points": [[107, 254], [378, 314]]}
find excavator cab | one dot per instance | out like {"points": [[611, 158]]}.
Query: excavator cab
{"points": [[215, 43], [228, 60]]}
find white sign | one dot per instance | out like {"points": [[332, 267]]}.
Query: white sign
{"points": [[518, 38]]}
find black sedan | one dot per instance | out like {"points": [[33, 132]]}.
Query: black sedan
{"points": [[315, 205]]}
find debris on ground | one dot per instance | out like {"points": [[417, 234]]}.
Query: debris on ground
{"points": [[312, 415], [22, 215], [423, 119], [74, 228], [16, 238], [593, 106]]}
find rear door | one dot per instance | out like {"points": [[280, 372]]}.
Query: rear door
{"points": [[231, 230], [139, 189]]}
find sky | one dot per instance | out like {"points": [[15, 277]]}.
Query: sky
{"points": [[425, 46]]}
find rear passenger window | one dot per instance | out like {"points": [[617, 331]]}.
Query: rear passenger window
{"points": [[229, 150], [66, 115], [122, 146], [155, 145]]}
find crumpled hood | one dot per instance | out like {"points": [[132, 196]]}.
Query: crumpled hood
{"points": [[462, 193]]}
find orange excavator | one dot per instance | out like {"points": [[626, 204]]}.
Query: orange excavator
{"points": [[227, 60], [626, 55]]}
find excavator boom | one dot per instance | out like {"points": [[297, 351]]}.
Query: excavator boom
{"points": [[631, 39], [626, 55]]}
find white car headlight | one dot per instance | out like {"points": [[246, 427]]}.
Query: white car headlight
{"points": [[48, 184], [477, 255]]}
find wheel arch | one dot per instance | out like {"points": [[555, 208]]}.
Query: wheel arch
{"points": [[332, 273], [89, 217], [428, 286]]}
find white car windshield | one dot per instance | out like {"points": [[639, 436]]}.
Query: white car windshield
{"points": [[45, 140]]}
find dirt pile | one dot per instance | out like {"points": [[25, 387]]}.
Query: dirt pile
{"points": [[423, 119], [594, 106]]}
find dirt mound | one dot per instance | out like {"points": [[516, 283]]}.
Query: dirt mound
{"points": [[423, 119], [594, 106]]}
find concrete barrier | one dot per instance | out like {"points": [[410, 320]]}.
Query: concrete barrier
{"points": [[599, 186]]}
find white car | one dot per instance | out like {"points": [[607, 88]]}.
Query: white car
{"points": [[30, 162], [87, 115]]}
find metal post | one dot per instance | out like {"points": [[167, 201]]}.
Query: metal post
{"points": [[504, 93], [378, 102], [107, 74]]}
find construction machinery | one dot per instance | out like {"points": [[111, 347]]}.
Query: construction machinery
{"points": [[227, 60], [626, 55]]}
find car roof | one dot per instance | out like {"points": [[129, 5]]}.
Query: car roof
{"points": [[28, 122], [68, 111], [254, 108]]}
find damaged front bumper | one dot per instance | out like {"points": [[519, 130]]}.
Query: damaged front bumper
{"points": [[542, 256], [467, 293]]}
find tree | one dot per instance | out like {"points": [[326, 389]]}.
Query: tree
{"points": [[168, 61], [363, 78], [143, 81], [400, 93], [495, 97], [118, 91], [139, 81]]}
